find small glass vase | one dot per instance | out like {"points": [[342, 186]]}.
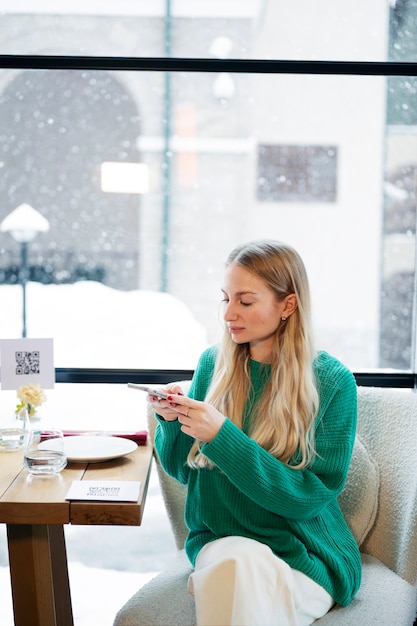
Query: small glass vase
{"points": [[33, 414], [14, 431]]}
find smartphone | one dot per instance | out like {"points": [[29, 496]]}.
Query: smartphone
{"points": [[152, 391]]}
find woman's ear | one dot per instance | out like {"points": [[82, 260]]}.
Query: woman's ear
{"points": [[290, 304]]}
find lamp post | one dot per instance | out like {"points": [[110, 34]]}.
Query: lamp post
{"points": [[24, 224]]}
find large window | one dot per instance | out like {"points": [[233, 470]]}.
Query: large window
{"points": [[148, 173]]}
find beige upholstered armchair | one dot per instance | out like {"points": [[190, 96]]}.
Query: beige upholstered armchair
{"points": [[379, 502]]}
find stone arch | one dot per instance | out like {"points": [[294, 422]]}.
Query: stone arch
{"points": [[56, 127]]}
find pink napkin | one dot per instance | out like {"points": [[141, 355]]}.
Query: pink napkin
{"points": [[140, 437]]}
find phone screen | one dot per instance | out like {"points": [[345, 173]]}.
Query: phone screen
{"points": [[152, 391]]}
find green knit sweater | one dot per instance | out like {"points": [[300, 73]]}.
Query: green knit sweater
{"points": [[252, 494]]}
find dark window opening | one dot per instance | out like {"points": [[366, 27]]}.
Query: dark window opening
{"points": [[297, 173]]}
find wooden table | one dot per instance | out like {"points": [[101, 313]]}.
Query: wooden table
{"points": [[35, 510]]}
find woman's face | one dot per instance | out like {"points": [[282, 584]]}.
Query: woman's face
{"points": [[252, 312]]}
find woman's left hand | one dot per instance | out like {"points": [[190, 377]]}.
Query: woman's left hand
{"points": [[198, 419]]}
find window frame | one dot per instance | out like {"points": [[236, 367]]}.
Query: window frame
{"points": [[399, 380]]}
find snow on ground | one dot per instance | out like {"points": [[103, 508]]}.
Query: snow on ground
{"points": [[96, 326]]}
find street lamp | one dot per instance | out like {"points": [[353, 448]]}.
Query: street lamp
{"points": [[24, 224], [224, 87]]}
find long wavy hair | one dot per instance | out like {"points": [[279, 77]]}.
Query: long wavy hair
{"points": [[286, 412]]}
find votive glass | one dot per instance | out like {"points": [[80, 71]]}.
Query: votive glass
{"points": [[45, 453]]}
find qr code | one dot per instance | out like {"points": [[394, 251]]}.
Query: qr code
{"points": [[27, 362]]}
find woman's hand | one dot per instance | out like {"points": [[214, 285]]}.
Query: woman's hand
{"points": [[198, 419], [162, 407]]}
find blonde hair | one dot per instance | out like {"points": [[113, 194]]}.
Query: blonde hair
{"points": [[286, 412]]}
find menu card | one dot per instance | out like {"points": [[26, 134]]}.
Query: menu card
{"points": [[110, 490]]}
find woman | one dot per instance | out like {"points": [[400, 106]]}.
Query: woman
{"points": [[263, 442]]}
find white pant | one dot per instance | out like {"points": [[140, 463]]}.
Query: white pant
{"points": [[240, 582]]}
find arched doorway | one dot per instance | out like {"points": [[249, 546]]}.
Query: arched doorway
{"points": [[56, 128]]}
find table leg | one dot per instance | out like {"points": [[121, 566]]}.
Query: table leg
{"points": [[39, 575]]}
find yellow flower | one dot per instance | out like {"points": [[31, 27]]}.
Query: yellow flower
{"points": [[30, 396]]}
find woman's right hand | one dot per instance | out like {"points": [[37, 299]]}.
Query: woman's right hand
{"points": [[162, 407]]}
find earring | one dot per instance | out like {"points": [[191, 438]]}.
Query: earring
{"points": [[284, 319]]}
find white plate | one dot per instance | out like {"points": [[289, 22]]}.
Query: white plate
{"points": [[96, 448]]}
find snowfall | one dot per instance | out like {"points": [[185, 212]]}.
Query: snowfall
{"points": [[95, 326]]}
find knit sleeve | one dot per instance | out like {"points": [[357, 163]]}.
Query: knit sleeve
{"points": [[171, 444], [277, 487]]}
